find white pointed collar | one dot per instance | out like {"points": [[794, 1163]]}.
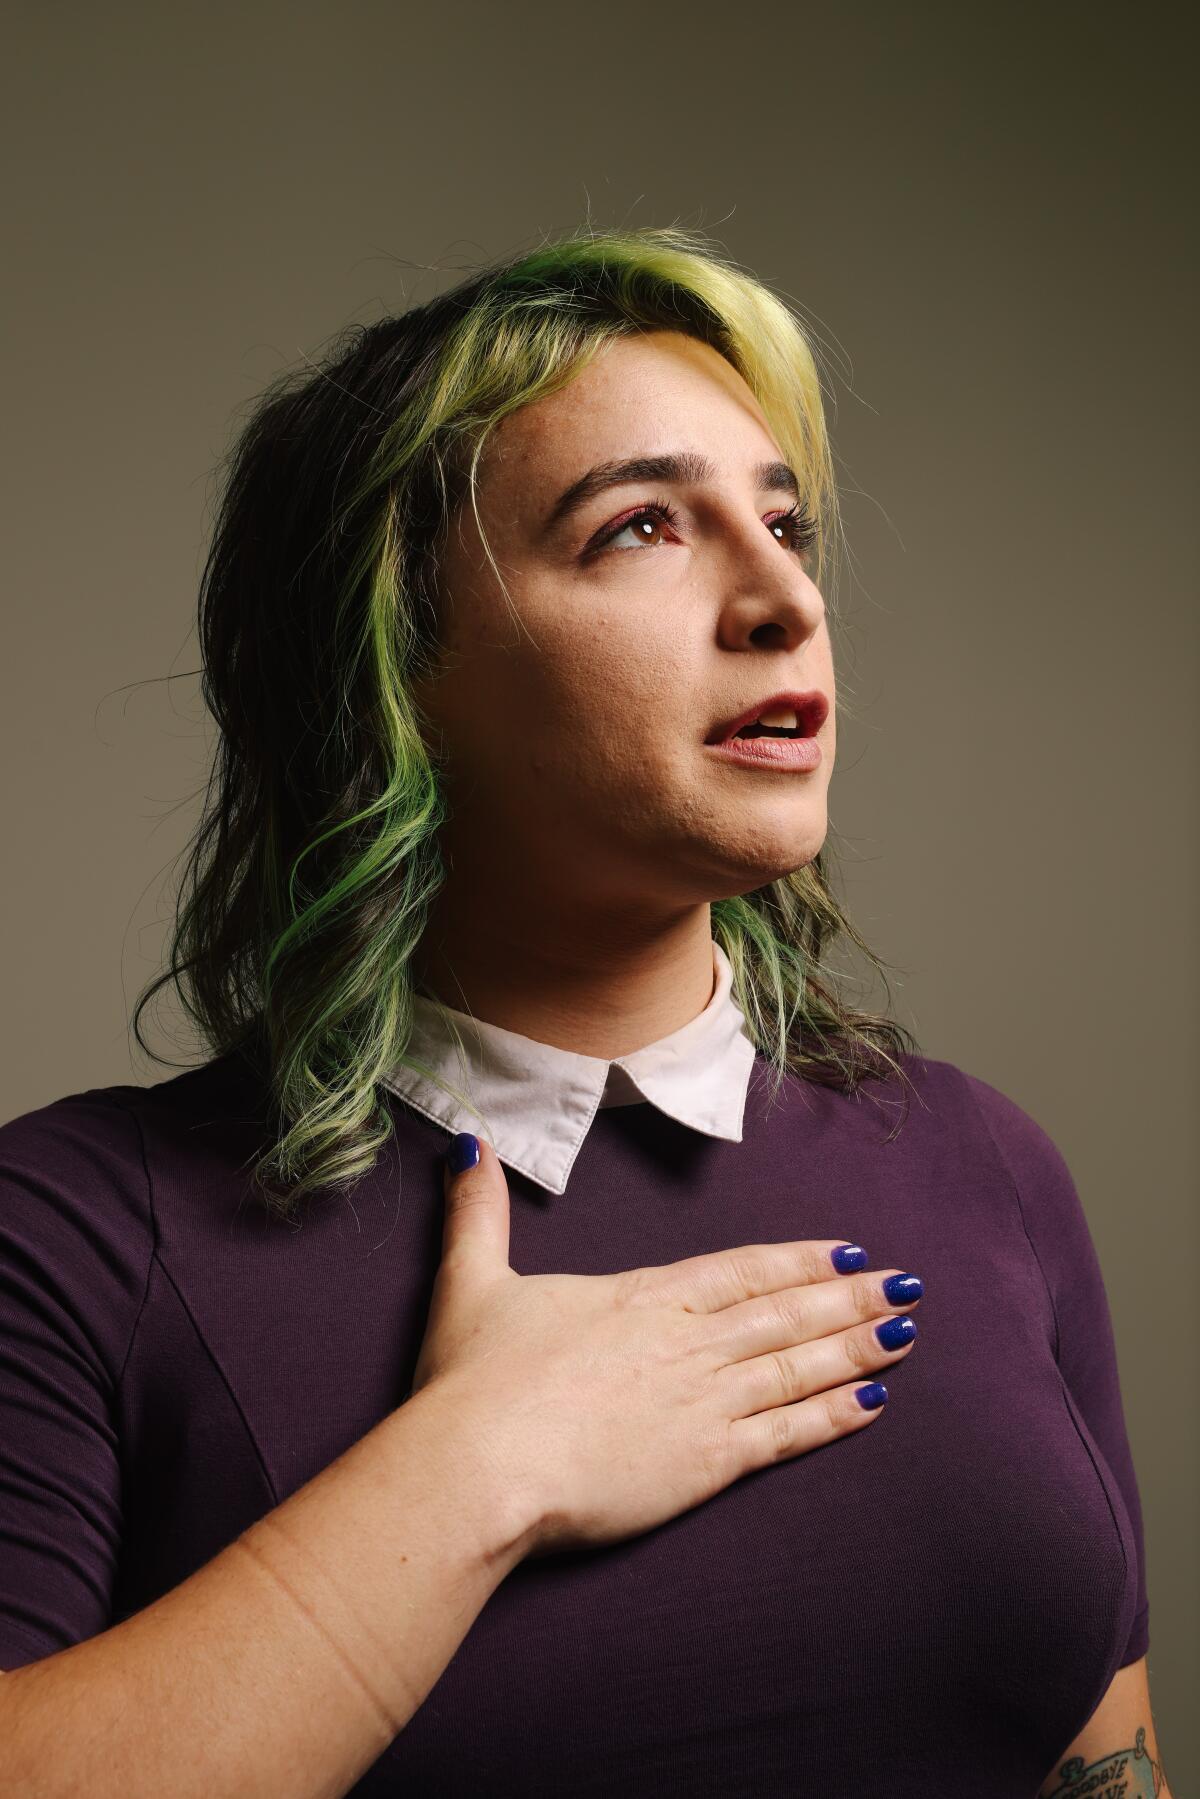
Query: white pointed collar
{"points": [[535, 1102]]}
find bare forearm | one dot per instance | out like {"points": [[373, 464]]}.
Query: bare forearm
{"points": [[1117, 1748], [287, 1664]]}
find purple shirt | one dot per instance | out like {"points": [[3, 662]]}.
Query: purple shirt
{"points": [[934, 1604]]}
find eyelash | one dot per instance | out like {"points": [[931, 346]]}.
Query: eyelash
{"points": [[803, 529]]}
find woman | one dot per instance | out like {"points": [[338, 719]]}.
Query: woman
{"points": [[513, 631]]}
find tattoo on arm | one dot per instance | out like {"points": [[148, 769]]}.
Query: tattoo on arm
{"points": [[1125, 1774]]}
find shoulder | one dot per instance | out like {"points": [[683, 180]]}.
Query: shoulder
{"points": [[79, 1140], [78, 1177], [951, 1097], [76, 1229], [104, 1130], [996, 1133]]}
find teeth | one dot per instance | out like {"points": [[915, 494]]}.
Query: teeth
{"points": [[783, 716]]}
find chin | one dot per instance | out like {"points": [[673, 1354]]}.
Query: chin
{"points": [[780, 844], [744, 873]]}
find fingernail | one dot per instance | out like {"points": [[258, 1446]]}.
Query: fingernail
{"points": [[872, 1395], [462, 1153], [848, 1257], [900, 1289], [893, 1333]]}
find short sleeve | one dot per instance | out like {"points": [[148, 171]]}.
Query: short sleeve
{"points": [[1085, 1349], [76, 1239]]}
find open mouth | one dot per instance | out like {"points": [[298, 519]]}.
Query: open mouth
{"points": [[782, 715], [761, 729]]}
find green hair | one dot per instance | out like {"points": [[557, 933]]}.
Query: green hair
{"points": [[309, 878]]}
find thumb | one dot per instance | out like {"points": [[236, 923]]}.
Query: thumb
{"points": [[476, 1225]]}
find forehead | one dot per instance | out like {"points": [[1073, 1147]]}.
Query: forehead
{"points": [[657, 391]]}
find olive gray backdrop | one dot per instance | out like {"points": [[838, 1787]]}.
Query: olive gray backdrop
{"points": [[981, 212]]}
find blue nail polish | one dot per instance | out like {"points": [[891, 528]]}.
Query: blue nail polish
{"points": [[872, 1395], [902, 1289], [847, 1258], [894, 1333], [462, 1153]]}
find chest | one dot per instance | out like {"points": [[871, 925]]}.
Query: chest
{"points": [[941, 1589]]}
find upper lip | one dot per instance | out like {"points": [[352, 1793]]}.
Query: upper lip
{"points": [[811, 709]]}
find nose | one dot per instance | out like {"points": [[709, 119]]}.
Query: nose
{"points": [[768, 599]]}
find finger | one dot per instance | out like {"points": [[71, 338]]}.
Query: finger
{"points": [[708, 1283], [785, 1431], [788, 1375], [801, 1314], [475, 1225]]}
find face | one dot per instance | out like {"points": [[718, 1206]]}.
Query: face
{"points": [[571, 726]]}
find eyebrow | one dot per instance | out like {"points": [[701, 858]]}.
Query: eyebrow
{"points": [[684, 467]]}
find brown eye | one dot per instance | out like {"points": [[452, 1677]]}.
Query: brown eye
{"points": [[799, 530], [793, 528], [642, 523]]}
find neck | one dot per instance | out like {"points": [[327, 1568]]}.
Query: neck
{"points": [[599, 985]]}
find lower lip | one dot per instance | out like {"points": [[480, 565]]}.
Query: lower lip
{"points": [[770, 752]]}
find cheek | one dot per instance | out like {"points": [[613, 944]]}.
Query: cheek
{"points": [[601, 685]]}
